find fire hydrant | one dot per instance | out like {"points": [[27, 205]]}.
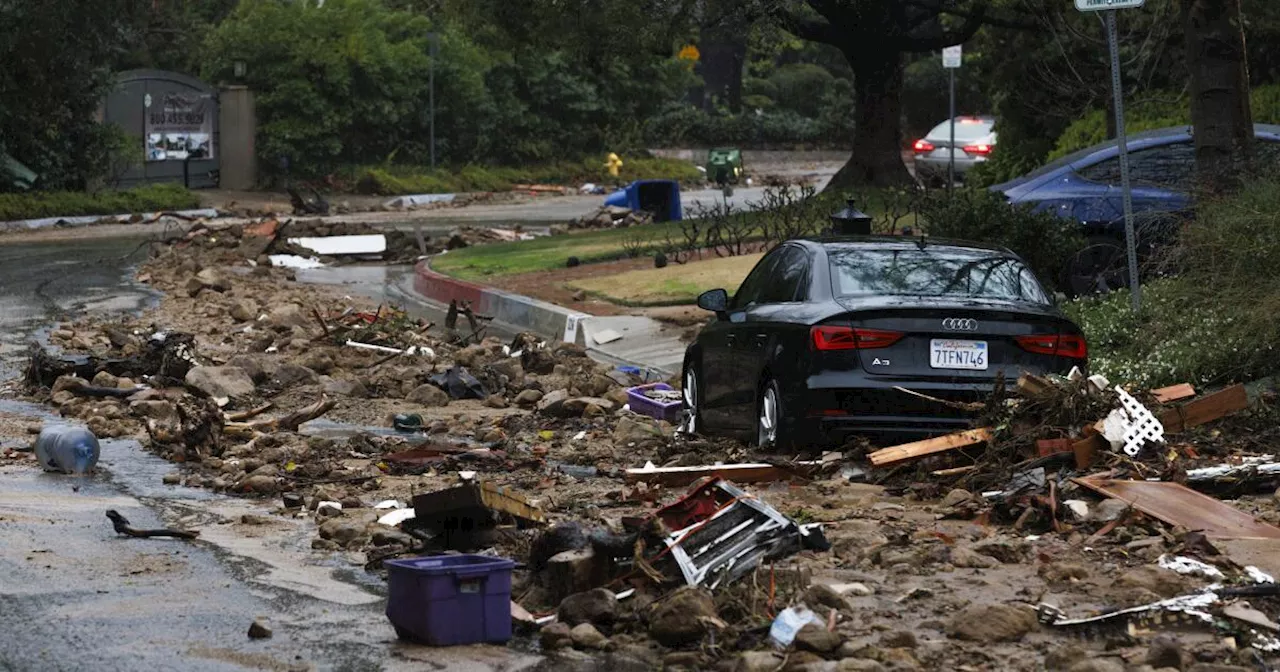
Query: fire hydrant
{"points": [[613, 163]]}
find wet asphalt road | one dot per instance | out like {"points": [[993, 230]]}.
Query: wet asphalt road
{"points": [[75, 596]]}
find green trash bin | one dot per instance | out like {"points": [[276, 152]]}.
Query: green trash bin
{"points": [[724, 165]]}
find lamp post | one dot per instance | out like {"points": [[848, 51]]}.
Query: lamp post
{"points": [[851, 221]]}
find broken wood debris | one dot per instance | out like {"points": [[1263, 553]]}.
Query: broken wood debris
{"points": [[121, 526], [1181, 506], [1205, 409], [1165, 395], [473, 507], [738, 473], [908, 451]]}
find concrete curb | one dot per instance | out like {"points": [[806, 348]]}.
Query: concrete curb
{"points": [[28, 224], [644, 345]]}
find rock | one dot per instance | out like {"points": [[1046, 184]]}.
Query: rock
{"points": [[955, 498], [902, 639], [495, 401], [580, 295], [510, 369], [991, 623], [220, 381], [254, 519], [287, 316], [342, 531], [1162, 582], [859, 665], [963, 556], [1165, 651], [1218, 667], [597, 606], [493, 436], [259, 630], [553, 402], [292, 500], [64, 383], [104, 379], [528, 397], [389, 536], [471, 356], [575, 407], [243, 310], [556, 636], [171, 479], [682, 617], [214, 280], [1063, 657], [821, 594], [758, 661], [816, 638], [585, 636], [428, 395], [638, 433], [1061, 572], [1098, 665], [319, 362], [345, 388], [251, 366], [289, 375], [262, 485], [1108, 510]]}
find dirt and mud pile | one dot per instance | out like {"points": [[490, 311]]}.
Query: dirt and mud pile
{"points": [[997, 549]]}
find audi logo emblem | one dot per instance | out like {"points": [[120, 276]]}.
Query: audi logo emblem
{"points": [[960, 324]]}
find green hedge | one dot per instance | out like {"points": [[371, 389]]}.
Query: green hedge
{"points": [[688, 126], [395, 180], [1218, 321], [1157, 111], [152, 198]]}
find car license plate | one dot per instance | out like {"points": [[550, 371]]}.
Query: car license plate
{"points": [[953, 354]]}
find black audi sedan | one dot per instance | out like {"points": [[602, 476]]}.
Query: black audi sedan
{"points": [[824, 335]]}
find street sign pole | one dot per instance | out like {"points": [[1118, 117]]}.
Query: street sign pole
{"points": [[952, 57], [951, 163], [1130, 235]]}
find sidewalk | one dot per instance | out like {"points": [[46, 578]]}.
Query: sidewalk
{"points": [[644, 342]]}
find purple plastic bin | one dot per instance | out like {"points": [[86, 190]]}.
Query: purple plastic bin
{"points": [[446, 600], [662, 410]]}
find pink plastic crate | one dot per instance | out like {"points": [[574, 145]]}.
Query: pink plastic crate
{"points": [[662, 410]]}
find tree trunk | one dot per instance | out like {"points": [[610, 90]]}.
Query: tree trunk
{"points": [[1220, 115], [722, 37], [877, 134]]}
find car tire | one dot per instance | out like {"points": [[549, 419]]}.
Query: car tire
{"points": [[691, 397], [1098, 268], [771, 431]]}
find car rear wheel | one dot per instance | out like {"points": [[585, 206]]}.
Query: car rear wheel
{"points": [[769, 432], [692, 398]]}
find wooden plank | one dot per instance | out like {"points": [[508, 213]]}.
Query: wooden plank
{"points": [[1205, 409], [1047, 447], [1031, 386], [1172, 393], [737, 473], [938, 444], [955, 471], [1181, 506]]}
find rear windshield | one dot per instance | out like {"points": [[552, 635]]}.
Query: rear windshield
{"points": [[932, 272], [966, 129]]}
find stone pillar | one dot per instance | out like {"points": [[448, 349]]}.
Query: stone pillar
{"points": [[237, 129]]}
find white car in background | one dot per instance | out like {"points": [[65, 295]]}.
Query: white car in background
{"points": [[975, 140]]}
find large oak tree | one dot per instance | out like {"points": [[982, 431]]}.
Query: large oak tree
{"points": [[874, 36], [1219, 88]]}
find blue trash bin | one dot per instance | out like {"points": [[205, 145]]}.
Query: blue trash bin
{"points": [[660, 197], [447, 600]]}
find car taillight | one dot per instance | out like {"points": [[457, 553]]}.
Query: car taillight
{"points": [[1058, 345], [847, 338], [922, 146], [977, 149]]}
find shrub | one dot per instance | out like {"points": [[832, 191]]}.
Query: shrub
{"points": [[395, 180], [1045, 241], [1218, 321], [152, 198], [689, 126]]}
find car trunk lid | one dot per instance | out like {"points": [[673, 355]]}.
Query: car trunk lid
{"points": [[968, 341]]}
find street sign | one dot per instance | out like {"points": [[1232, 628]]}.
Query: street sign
{"points": [[952, 56], [1099, 5]]}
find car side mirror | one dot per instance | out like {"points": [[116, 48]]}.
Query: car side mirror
{"points": [[714, 300]]}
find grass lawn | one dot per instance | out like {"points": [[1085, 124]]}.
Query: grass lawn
{"points": [[542, 254], [674, 285]]}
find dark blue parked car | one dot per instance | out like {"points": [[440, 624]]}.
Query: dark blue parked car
{"points": [[1085, 186]]}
